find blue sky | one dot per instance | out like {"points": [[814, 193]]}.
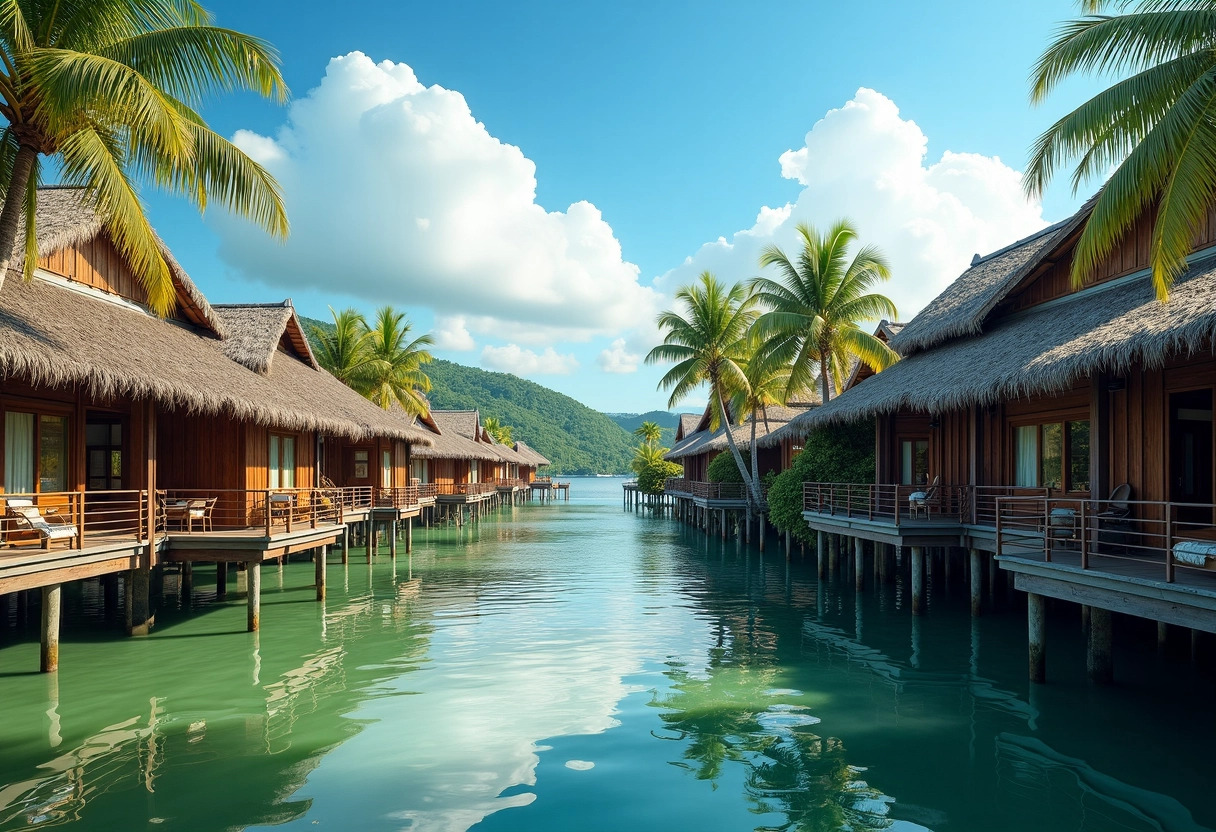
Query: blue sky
{"points": [[670, 118]]}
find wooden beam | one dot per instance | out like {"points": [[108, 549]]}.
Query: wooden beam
{"points": [[1171, 611]]}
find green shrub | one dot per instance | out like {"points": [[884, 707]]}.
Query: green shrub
{"points": [[840, 453], [653, 477], [722, 468]]}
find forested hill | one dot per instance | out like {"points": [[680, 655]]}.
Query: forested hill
{"points": [[576, 438], [666, 420]]}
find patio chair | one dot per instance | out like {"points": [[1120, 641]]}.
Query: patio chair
{"points": [[200, 510], [47, 527], [920, 501], [281, 506], [1115, 524]]}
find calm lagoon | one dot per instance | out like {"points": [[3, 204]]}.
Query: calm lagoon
{"points": [[574, 666]]}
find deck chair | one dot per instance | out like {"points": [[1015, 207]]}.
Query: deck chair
{"points": [[200, 510], [919, 501], [281, 506], [48, 527], [1114, 521]]}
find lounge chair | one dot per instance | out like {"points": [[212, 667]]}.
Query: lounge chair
{"points": [[47, 527], [919, 501], [1114, 521]]}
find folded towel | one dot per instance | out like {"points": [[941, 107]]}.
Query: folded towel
{"points": [[917, 497], [1063, 517], [1194, 552]]}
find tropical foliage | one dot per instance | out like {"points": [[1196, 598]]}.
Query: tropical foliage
{"points": [[1154, 127], [494, 426], [379, 361], [816, 305], [109, 91], [653, 478], [646, 455], [650, 432], [722, 468], [707, 342]]}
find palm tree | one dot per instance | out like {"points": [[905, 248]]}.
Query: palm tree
{"points": [[1155, 127], [394, 368], [814, 309], [500, 432], [650, 432], [645, 455], [709, 346], [344, 349], [767, 385], [108, 90]]}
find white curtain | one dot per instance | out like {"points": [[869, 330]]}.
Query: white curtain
{"points": [[18, 452], [905, 462], [287, 477], [1026, 451], [274, 462], [386, 469]]}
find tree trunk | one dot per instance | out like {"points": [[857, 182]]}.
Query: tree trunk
{"points": [[755, 462], [824, 382], [752, 496], [14, 202]]}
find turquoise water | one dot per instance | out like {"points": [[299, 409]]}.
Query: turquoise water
{"points": [[574, 666]]}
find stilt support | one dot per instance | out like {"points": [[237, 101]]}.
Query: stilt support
{"points": [[253, 598], [51, 603], [1036, 622], [918, 580], [319, 568], [977, 581], [1098, 660]]}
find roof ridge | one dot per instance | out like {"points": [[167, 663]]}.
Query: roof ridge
{"points": [[977, 259]]}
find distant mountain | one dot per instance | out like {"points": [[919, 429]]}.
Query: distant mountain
{"points": [[632, 421], [576, 438]]}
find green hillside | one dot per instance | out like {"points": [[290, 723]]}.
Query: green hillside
{"points": [[632, 421], [576, 438]]}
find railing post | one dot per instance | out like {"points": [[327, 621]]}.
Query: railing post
{"points": [[1169, 543], [1047, 529], [80, 521], [898, 513], [267, 508], [1084, 538], [870, 507]]}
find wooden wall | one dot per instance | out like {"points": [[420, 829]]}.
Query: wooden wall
{"points": [[97, 264], [199, 452], [1052, 279]]}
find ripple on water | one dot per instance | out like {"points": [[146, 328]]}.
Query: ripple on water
{"points": [[580, 765]]}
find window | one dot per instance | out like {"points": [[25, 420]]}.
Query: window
{"points": [[386, 469], [1042, 451], [914, 461], [35, 453], [420, 470], [282, 461], [103, 453], [19, 452], [474, 470]]}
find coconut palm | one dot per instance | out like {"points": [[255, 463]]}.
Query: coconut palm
{"points": [[1155, 127], [108, 90], [816, 304], [394, 368], [343, 350], [708, 345], [645, 455], [767, 386], [495, 427], [650, 432]]}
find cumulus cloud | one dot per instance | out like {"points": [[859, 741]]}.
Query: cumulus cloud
{"points": [[396, 192], [865, 162], [515, 359], [618, 359], [452, 333]]}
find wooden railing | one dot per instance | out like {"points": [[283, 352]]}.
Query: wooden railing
{"points": [[1098, 534], [984, 500], [427, 490], [887, 502], [405, 496], [273, 510], [74, 519], [465, 488], [706, 490]]}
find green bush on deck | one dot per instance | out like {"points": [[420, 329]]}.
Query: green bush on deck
{"points": [[653, 478], [722, 468], [840, 453]]}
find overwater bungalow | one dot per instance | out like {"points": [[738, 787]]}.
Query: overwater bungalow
{"points": [[530, 461], [130, 441], [1067, 431], [455, 461]]}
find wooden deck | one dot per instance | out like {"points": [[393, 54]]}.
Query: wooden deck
{"points": [[33, 567], [933, 530], [245, 545]]}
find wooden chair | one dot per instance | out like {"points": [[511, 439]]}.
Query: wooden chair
{"points": [[281, 506], [200, 510], [47, 527], [920, 501], [1115, 525]]}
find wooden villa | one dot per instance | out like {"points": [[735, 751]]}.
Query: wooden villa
{"points": [[130, 441], [1067, 431], [530, 462]]}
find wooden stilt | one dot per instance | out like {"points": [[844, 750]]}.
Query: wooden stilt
{"points": [[1036, 620], [918, 580], [409, 535], [789, 545], [253, 597], [977, 581], [1163, 635], [821, 565], [187, 582], [760, 529], [1099, 660], [221, 581], [392, 539], [140, 617], [859, 564], [834, 554], [51, 601], [319, 569], [370, 538], [346, 545]]}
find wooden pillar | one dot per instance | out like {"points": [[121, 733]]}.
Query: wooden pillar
{"points": [[760, 529], [51, 604], [253, 598], [109, 595], [821, 564], [346, 544], [370, 537], [859, 564], [833, 555], [139, 615], [187, 581], [789, 547], [1163, 635], [1098, 659], [221, 581], [977, 581], [319, 569], [392, 539], [722, 520], [918, 580], [409, 535], [1036, 620]]}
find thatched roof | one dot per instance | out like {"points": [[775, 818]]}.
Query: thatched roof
{"points": [[530, 456], [455, 437], [54, 335], [706, 441], [687, 425], [1044, 350], [256, 331], [65, 218], [960, 309]]}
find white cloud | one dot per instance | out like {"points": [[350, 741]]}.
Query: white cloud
{"points": [[397, 189], [618, 359], [865, 162], [515, 359], [452, 333]]}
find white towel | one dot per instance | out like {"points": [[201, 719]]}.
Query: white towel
{"points": [[1194, 552]]}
